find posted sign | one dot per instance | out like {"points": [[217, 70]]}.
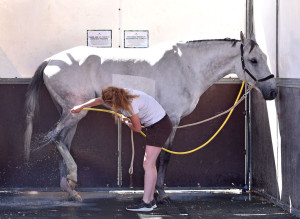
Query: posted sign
{"points": [[99, 38], [136, 39]]}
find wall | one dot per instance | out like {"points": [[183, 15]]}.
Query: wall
{"points": [[94, 147], [33, 30], [275, 123], [7, 69], [289, 39]]}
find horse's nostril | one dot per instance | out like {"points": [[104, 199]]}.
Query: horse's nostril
{"points": [[273, 94]]}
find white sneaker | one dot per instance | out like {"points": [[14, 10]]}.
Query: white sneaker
{"points": [[141, 207]]}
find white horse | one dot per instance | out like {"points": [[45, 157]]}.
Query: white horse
{"points": [[175, 74]]}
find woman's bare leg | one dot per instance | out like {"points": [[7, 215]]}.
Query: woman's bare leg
{"points": [[149, 164]]}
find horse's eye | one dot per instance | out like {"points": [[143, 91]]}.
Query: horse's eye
{"points": [[253, 61]]}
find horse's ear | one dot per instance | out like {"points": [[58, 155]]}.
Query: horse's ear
{"points": [[242, 38]]}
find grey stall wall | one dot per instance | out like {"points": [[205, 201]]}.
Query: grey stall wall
{"points": [[276, 167]]}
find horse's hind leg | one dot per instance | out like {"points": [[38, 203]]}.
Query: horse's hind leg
{"points": [[68, 182], [67, 141], [68, 170], [67, 160], [64, 133]]}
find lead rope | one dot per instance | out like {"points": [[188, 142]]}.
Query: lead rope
{"points": [[216, 116], [225, 112], [132, 161]]}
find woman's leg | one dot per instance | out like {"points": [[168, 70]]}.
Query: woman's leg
{"points": [[151, 154]]}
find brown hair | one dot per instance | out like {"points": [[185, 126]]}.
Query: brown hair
{"points": [[119, 98]]}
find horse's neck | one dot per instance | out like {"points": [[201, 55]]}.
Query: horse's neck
{"points": [[209, 61]]}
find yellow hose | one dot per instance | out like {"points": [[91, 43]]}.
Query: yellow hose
{"points": [[217, 132], [190, 151], [102, 110], [108, 111]]}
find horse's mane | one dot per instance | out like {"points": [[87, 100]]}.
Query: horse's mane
{"points": [[234, 41]]}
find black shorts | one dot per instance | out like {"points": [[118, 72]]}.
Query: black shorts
{"points": [[158, 133]]}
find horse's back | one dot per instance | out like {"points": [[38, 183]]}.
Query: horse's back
{"points": [[80, 53], [85, 71]]}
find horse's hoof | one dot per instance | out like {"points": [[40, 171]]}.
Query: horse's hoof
{"points": [[75, 197], [165, 200], [69, 188]]}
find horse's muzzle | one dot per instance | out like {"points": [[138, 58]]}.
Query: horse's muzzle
{"points": [[271, 95]]}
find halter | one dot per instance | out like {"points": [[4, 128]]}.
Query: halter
{"points": [[248, 72]]}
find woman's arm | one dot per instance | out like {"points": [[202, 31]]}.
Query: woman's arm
{"points": [[135, 124], [92, 102]]}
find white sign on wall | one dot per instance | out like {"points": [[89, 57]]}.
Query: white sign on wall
{"points": [[136, 39], [99, 38]]}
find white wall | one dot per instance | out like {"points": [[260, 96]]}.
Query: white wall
{"points": [[288, 34], [264, 18], [32, 30], [7, 69], [185, 19], [289, 38]]}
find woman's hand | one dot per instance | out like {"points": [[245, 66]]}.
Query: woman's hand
{"points": [[76, 109], [135, 124], [125, 120], [91, 102]]}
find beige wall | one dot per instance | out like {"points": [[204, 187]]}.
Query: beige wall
{"points": [[32, 30]]}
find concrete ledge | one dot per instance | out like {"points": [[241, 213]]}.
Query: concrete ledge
{"points": [[15, 80], [123, 190], [27, 81], [288, 82]]}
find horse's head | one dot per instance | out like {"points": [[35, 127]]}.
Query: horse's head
{"points": [[256, 68]]}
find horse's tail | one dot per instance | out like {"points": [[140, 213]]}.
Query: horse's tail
{"points": [[32, 104]]}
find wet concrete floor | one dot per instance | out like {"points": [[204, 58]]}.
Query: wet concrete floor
{"points": [[105, 203]]}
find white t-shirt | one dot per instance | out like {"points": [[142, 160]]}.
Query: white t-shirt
{"points": [[148, 109]]}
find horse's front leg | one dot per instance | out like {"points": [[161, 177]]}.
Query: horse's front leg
{"points": [[163, 162]]}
